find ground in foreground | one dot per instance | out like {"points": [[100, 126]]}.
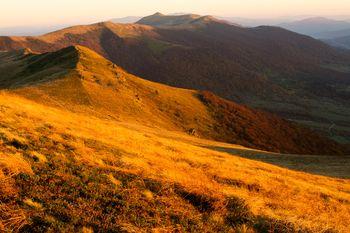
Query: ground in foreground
{"points": [[64, 171]]}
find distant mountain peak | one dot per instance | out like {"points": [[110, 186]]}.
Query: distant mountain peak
{"points": [[161, 20], [158, 14]]}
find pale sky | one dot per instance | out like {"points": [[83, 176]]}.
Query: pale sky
{"points": [[48, 12]]}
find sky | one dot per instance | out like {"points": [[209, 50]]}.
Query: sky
{"points": [[51, 12]]}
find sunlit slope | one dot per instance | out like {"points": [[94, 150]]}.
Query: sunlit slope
{"points": [[292, 75], [65, 172], [89, 83], [80, 80]]}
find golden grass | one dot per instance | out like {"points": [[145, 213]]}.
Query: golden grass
{"points": [[87, 230], [32, 203], [114, 181], [318, 203], [101, 88], [12, 218], [14, 164]]}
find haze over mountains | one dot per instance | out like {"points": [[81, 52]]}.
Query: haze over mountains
{"points": [[316, 27], [333, 32], [340, 42], [29, 30], [127, 19]]}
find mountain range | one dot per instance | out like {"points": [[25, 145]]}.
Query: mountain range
{"points": [[333, 32], [179, 123], [264, 67], [318, 27]]}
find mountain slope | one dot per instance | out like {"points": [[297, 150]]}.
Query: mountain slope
{"points": [[62, 171], [80, 80], [265, 67]]}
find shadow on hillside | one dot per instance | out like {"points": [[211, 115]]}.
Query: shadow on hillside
{"points": [[332, 166]]}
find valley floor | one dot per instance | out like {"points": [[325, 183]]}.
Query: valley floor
{"points": [[67, 172]]}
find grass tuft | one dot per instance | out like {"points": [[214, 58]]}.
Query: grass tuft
{"points": [[238, 212]]}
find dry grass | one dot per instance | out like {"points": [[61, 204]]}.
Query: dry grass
{"points": [[12, 218], [14, 164], [188, 172], [33, 204]]}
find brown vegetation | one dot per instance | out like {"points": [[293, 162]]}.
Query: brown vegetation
{"points": [[241, 125]]}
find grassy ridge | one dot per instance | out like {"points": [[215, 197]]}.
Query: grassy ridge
{"points": [[80, 80]]}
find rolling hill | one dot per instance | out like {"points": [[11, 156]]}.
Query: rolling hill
{"points": [[270, 68], [87, 147]]}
